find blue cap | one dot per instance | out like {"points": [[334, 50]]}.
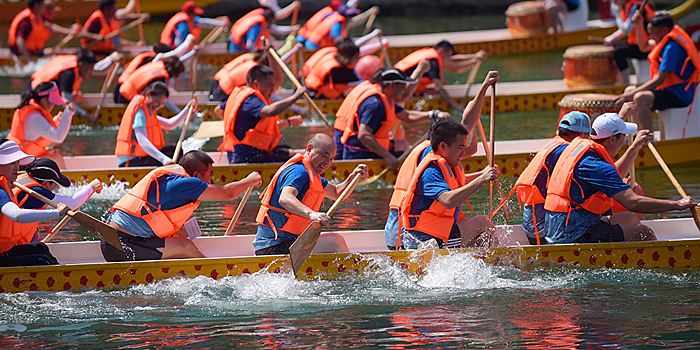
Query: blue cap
{"points": [[576, 121]]}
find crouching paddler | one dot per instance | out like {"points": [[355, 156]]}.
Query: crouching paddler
{"points": [[150, 218], [295, 194]]}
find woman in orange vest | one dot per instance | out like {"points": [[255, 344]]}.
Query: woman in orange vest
{"points": [[333, 27], [44, 177], [624, 50], [234, 74], [150, 218], [34, 129], [188, 21], [16, 249], [163, 71], [140, 139], [333, 75], [104, 21], [431, 207], [247, 31], [586, 183], [675, 69], [31, 28], [295, 194]]}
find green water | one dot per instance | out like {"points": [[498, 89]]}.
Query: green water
{"points": [[460, 302]]}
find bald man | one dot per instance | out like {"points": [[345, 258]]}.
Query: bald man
{"points": [[295, 194]]}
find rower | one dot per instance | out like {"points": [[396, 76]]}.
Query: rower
{"points": [[442, 55], [369, 112], [68, 71], [34, 128], [105, 20], [247, 32], [333, 75], [31, 28], [43, 176], [17, 249], [431, 208], [623, 50], [674, 63], [162, 70], [140, 139], [295, 194], [556, 12], [331, 27], [234, 74], [403, 179], [188, 21], [150, 218], [585, 184], [532, 183]]}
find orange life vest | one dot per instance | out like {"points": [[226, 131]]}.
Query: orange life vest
{"points": [[164, 223], [345, 109], [403, 179], [141, 77], [133, 65], [10, 232], [316, 80], [319, 34], [266, 133], [127, 145], [412, 60], [437, 220], [381, 134], [315, 20], [316, 57], [235, 73], [37, 37], [313, 198], [681, 37], [106, 27], [558, 198], [27, 230], [240, 28], [38, 147], [625, 12], [167, 36], [50, 71], [528, 193]]}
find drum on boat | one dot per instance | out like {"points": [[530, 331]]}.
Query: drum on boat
{"points": [[589, 65], [527, 18], [591, 104]]}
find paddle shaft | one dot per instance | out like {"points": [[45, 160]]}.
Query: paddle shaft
{"points": [[295, 18], [238, 212], [387, 60], [470, 81], [105, 87], [370, 22], [490, 156], [178, 147], [63, 42], [296, 83], [212, 36], [668, 172], [117, 32]]}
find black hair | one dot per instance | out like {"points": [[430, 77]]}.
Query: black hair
{"points": [[346, 51], [259, 73], [260, 57], [173, 66], [32, 3], [195, 161], [32, 94], [661, 20], [104, 4], [86, 56], [445, 45], [157, 88], [566, 133], [446, 130], [161, 48]]}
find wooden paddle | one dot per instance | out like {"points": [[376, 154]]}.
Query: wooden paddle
{"points": [[213, 128], [67, 39], [470, 81], [60, 225], [295, 18], [695, 210], [385, 53], [401, 158], [306, 242], [370, 22], [491, 156], [212, 36], [178, 147], [96, 227], [238, 212], [108, 82], [597, 39], [117, 32], [296, 83]]}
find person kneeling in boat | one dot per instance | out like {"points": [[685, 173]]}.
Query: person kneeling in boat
{"points": [[585, 173], [251, 126], [333, 76], [105, 21], [162, 70], [247, 31], [33, 127], [431, 208], [532, 183], [150, 218], [44, 177], [16, 248], [442, 55], [68, 72], [674, 63], [295, 194], [140, 139], [370, 111], [188, 21]]}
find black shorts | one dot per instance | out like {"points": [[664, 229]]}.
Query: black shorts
{"points": [[454, 241], [602, 232], [280, 249], [215, 92], [30, 254], [664, 99], [135, 248]]}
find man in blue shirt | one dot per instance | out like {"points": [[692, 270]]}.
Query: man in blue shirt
{"points": [[594, 175], [295, 195]]}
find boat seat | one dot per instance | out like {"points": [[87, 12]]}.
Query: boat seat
{"points": [[330, 242], [576, 19], [642, 70], [77, 252]]}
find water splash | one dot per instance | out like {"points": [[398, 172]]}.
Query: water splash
{"points": [[110, 192], [26, 70], [192, 143]]}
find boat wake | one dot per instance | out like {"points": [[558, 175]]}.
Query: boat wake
{"points": [[26, 70]]}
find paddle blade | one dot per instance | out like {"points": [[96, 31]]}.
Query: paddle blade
{"points": [[303, 246], [98, 228], [210, 129]]}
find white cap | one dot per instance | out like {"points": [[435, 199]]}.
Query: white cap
{"points": [[609, 124], [10, 153]]}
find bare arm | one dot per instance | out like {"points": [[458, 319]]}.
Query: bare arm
{"points": [[413, 116], [474, 107], [366, 136], [455, 198], [641, 204], [280, 106], [626, 162], [446, 96], [333, 191], [288, 200], [231, 190]]}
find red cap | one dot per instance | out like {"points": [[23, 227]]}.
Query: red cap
{"points": [[191, 6]]}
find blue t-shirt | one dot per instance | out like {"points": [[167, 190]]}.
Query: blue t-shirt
{"points": [[295, 176], [593, 174], [541, 183], [175, 191], [181, 31], [248, 115], [673, 58], [371, 113], [33, 202]]}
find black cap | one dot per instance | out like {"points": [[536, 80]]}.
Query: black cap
{"points": [[44, 169], [390, 75]]}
